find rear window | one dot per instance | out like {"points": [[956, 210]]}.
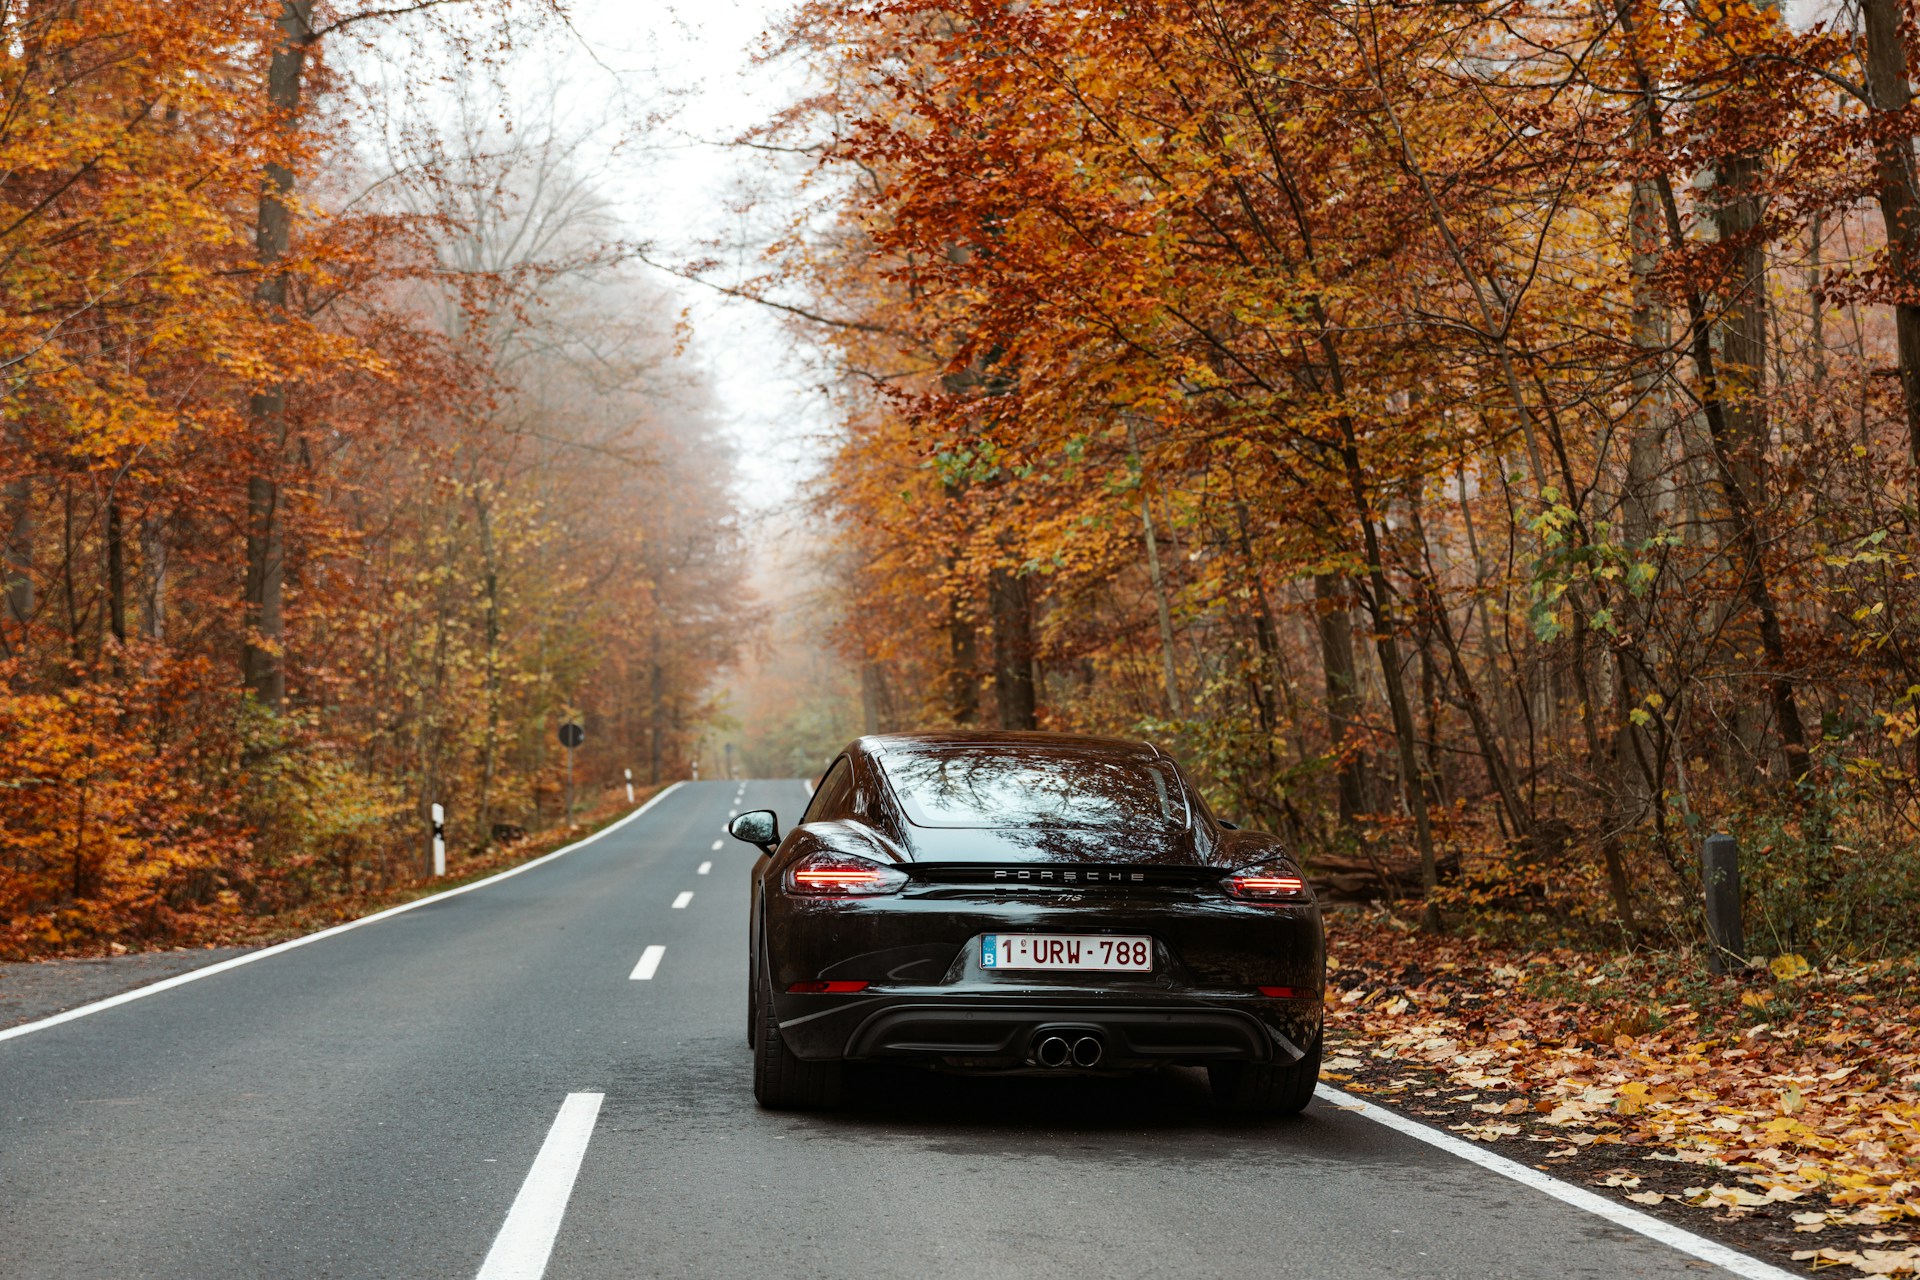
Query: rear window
{"points": [[1067, 789]]}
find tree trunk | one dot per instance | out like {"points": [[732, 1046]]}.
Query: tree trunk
{"points": [[656, 689], [1737, 379], [1893, 175], [1379, 602], [1737, 210], [116, 573], [963, 657], [1335, 625], [873, 698], [1011, 603], [490, 742], [18, 561], [263, 667], [153, 578], [1168, 671]]}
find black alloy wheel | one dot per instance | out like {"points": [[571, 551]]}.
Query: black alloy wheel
{"points": [[1267, 1088], [782, 1081]]}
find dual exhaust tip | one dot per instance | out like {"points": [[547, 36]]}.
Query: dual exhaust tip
{"points": [[1058, 1051]]}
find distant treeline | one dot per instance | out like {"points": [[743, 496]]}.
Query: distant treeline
{"points": [[340, 462]]}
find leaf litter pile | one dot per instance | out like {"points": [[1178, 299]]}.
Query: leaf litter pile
{"points": [[1777, 1109]]}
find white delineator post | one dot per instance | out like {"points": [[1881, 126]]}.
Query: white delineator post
{"points": [[439, 841], [629, 786]]}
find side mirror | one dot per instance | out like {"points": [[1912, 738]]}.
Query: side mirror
{"points": [[758, 827]]}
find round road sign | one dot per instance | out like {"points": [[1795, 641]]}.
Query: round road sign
{"points": [[572, 735]]}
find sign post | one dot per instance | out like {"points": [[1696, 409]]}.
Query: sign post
{"points": [[571, 736], [1720, 870]]}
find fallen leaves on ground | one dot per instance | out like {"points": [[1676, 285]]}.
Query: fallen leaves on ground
{"points": [[1790, 1092]]}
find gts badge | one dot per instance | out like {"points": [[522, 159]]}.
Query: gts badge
{"points": [[1067, 875]]}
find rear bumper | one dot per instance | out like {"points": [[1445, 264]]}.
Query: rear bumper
{"points": [[973, 1030], [930, 999]]}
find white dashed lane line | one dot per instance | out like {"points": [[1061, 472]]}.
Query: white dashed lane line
{"points": [[704, 868], [680, 902], [649, 962], [719, 845], [526, 1238]]}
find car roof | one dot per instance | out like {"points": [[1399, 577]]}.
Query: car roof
{"points": [[1020, 739]]}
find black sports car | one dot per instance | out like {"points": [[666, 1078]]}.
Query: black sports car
{"points": [[1027, 902]]}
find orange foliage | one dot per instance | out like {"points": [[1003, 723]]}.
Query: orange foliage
{"points": [[491, 501], [1381, 403]]}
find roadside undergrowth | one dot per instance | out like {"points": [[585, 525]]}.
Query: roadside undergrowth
{"points": [[202, 931], [1781, 1104]]}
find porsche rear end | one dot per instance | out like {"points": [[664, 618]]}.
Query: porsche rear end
{"points": [[1088, 967]]}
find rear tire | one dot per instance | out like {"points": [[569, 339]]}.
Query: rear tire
{"points": [[1267, 1088], [781, 1080]]}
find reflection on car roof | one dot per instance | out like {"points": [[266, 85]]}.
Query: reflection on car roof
{"points": [[1013, 739]]}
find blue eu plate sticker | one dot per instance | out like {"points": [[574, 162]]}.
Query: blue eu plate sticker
{"points": [[986, 951]]}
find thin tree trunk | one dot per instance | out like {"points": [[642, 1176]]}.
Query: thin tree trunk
{"points": [[116, 574], [1335, 625], [963, 658], [153, 578], [1734, 449], [1893, 174], [1167, 669], [873, 697], [263, 665], [1379, 602], [18, 562], [490, 742], [1010, 601]]}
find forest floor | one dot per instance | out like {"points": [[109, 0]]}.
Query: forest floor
{"points": [[1777, 1109], [39, 988]]}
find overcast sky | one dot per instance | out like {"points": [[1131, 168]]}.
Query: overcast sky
{"points": [[677, 188]]}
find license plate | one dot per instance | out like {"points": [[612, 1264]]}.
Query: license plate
{"points": [[1066, 951]]}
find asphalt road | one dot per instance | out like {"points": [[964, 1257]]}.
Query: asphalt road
{"points": [[372, 1104]]}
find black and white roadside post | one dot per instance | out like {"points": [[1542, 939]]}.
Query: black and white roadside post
{"points": [[439, 840], [629, 786], [571, 736], [1720, 872]]}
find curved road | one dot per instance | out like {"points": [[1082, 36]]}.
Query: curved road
{"points": [[373, 1104]]}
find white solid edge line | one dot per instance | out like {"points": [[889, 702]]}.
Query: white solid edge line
{"points": [[526, 1238], [194, 975], [686, 896], [1618, 1214], [649, 963], [704, 868]]}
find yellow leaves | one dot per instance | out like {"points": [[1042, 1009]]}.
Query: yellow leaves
{"points": [[1719, 1196], [1873, 1262], [1789, 968], [1486, 1132]]}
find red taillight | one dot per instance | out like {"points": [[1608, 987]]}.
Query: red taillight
{"points": [[1283, 993], [1266, 885], [823, 987], [833, 875]]}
